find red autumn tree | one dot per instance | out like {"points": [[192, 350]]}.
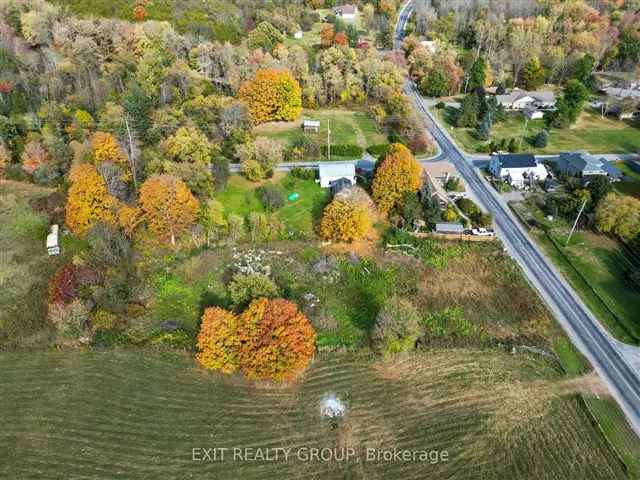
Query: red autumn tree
{"points": [[341, 39], [34, 156], [276, 340]]}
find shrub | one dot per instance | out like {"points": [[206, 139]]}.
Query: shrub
{"points": [[440, 105], [420, 143], [303, 173], [345, 150], [70, 321], [245, 288], [468, 207], [271, 197], [397, 326], [449, 322], [344, 221], [276, 340], [379, 150], [541, 140], [450, 214], [454, 184]]}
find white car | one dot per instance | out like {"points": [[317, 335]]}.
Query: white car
{"points": [[483, 232]]}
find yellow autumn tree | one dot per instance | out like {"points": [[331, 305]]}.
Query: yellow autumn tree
{"points": [[218, 342], [344, 221], [168, 206], [398, 173], [273, 95], [106, 148], [129, 218], [88, 200]]}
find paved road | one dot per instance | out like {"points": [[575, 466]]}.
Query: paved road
{"points": [[609, 358]]}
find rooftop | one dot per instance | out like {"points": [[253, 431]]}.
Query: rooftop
{"points": [[346, 9], [517, 160], [337, 169]]}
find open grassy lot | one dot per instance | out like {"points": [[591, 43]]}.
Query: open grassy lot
{"points": [[347, 127], [592, 133], [595, 265], [136, 414], [630, 185], [24, 266], [299, 216]]}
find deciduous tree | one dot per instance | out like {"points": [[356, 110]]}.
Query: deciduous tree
{"points": [[218, 342], [168, 206], [106, 148], [344, 221], [276, 340], [88, 200], [273, 95], [398, 173], [619, 215], [34, 156]]}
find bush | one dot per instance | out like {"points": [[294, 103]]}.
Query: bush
{"points": [[303, 173], [454, 184], [468, 207], [345, 150], [397, 326], [271, 197], [245, 288], [449, 322], [379, 150], [541, 140], [440, 105]]}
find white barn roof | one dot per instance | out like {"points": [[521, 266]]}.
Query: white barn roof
{"points": [[337, 169]]}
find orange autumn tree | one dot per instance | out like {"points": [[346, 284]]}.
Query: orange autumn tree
{"points": [[344, 221], [106, 148], [271, 340], [326, 35], [276, 340], [341, 39], [273, 95], [398, 173], [218, 343], [88, 200], [168, 206], [34, 156]]}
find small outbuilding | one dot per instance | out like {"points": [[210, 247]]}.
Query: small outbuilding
{"points": [[311, 126], [339, 185], [53, 244], [331, 172], [450, 228], [298, 35]]}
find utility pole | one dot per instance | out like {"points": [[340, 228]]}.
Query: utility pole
{"points": [[524, 132], [575, 223], [328, 140]]}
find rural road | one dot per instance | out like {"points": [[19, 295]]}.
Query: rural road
{"points": [[610, 359]]}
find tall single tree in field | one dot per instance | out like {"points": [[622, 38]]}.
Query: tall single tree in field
{"points": [[619, 215], [276, 340], [398, 173], [168, 206], [88, 200], [273, 95]]}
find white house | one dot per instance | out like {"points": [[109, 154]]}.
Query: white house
{"points": [[517, 169], [331, 172], [348, 12], [523, 100]]}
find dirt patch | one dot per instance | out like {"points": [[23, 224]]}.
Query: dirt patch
{"points": [[590, 383]]}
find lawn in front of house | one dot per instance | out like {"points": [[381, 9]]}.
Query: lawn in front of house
{"points": [[630, 185], [240, 198], [347, 127], [592, 133]]}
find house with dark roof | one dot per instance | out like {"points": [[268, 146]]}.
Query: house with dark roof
{"points": [[583, 164], [518, 169]]}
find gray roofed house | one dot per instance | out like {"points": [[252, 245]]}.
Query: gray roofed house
{"points": [[524, 100], [339, 185], [583, 164], [621, 92]]}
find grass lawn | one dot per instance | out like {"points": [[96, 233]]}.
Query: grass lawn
{"points": [[592, 263], [631, 184], [139, 414], [299, 216], [347, 127], [591, 133]]}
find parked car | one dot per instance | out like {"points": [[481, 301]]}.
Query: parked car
{"points": [[483, 232]]}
